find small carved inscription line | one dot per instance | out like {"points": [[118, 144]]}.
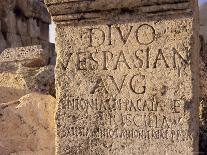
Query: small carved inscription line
{"points": [[108, 133]]}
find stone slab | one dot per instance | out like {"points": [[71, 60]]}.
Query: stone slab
{"points": [[27, 125], [28, 56], [126, 77]]}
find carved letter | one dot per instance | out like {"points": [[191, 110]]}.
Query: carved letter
{"points": [[165, 123], [121, 54], [140, 61], [65, 65], [81, 63], [133, 89], [124, 38], [91, 39], [93, 63], [175, 52], [147, 57], [176, 106], [109, 36], [160, 56], [105, 59], [115, 84], [145, 34], [99, 85]]}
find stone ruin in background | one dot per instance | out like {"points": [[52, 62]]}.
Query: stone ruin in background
{"points": [[203, 78], [27, 103], [23, 23]]}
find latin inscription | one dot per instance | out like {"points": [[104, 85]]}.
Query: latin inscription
{"points": [[139, 59], [135, 118], [144, 35], [172, 135]]}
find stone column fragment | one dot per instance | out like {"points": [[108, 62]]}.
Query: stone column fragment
{"points": [[126, 76]]}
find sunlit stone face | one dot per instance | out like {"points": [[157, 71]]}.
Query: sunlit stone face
{"points": [[127, 85]]}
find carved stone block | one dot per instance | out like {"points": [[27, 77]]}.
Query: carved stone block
{"points": [[126, 76]]}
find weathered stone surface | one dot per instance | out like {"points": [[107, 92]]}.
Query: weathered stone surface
{"points": [[30, 56], [203, 96], [21, 23], [9, 23], [9, 94], [3, 43], [203, 108], [203, 21], [44, 31], [127, 77], [22, 26], [34, 29], [26, 40], [27, 126], [27, 8], [13, 40], [53, 54], [30, 79]]}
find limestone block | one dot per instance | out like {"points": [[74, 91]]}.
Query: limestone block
{"points": [[45, 16], [3, 43], [26, 40], [22, 27], [13, 40], [53, 54], [27, 126], [39, 80], [203, 107], [9, 94], [34, 9], [203, 21], [35, 41], [50, 49], [127, 76], [33, 28], [203, 18], [32, 56], [10, 23], [29, 79], [203, 31], [24, 8], [24, 19], [203, 97], [44, 31]]}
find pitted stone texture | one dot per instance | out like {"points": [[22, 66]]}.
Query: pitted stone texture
{"points": [[30, 79], [27, 126], [26, 8], [126, 77], [9, 94], [30, 56], [93, 11], [106, 93]]}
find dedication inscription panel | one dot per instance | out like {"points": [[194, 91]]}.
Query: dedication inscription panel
{"points": [[126, 88]]}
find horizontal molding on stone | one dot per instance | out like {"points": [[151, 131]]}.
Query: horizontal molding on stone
{"points": [[72, 11]]}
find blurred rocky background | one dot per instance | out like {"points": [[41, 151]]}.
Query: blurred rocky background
{"points": [[203, 78], [27, 89], [23, 23]]}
